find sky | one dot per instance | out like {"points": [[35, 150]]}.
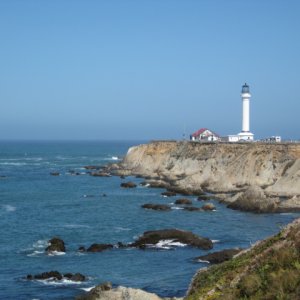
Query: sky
{"points": [[147, 69]]}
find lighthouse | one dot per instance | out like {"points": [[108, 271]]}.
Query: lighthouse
{"points": [[245, 134]]}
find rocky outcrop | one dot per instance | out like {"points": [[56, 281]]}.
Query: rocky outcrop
{"points": [[128, 185], [151, 238], [208, 206], [106, 292], [161, 207], [255, 200], [56, 245], [268, 270], [98, 247], [228, 168], [54, 173], [220, 256], [56, 276], [183, 201], [168, 194]]}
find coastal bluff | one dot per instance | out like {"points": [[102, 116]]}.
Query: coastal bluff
{"points": [[231, 171]]}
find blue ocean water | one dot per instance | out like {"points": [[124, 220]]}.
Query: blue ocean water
{"points": [[35, 206]]}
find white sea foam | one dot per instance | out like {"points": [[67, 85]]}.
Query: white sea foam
{"points": [[87, 289], [40, 244], [167, 244], [17, 164], [9, 208], [203, 261], [76, 226], [56, 253], [53, 281], [176, 208], [215, 241], [35, 253], [122, 229], [115, 158]]}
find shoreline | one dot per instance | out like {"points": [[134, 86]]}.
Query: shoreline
{"points": [[233, 173]]}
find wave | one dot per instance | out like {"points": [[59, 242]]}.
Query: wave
{"points": [[88, 289], [9, 208], [203, 261], [76, 226], [118, 229], [56, 253], [64, 281], [167, 244], [215, 241], [176, 208], [16, 164], [35, 253]]}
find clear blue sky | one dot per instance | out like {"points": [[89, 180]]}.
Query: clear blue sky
{"points": [[140, 69]]}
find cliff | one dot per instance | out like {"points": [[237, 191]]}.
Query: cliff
{"points": [[268, 270], [226, 169]]}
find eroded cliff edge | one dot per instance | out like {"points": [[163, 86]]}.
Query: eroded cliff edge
{"points": [[266, 171]]}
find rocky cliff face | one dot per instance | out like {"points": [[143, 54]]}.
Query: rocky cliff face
{"points": [[219, 167]]}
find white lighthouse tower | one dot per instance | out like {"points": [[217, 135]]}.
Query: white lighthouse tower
{"points": [[246, 134]]}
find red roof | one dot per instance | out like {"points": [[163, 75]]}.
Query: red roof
{"points": [[201, 130]]}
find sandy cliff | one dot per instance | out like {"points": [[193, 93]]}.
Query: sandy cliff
{"points": [[220, 167]]}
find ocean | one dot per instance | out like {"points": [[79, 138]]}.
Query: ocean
{"points": [[36, 206]]}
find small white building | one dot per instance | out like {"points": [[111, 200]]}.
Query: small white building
{"points": [[204, 135]]}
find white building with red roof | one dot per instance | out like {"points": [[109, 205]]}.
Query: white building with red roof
{"points": [[204, 134]]}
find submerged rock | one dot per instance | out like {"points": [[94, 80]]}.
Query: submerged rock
{"points": [[208, 206], [56, 244], [185, 237], [100, 174], [54, 173], [192, 208], [183, 201], [220, 256], [128, 184], [99, 247], [161, 207], [93, 167], [168, 194]]}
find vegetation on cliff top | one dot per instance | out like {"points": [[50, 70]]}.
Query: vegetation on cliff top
{"points": [[269, 270]]}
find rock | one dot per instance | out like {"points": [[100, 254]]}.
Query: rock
{"points": [[208, 206], [47, 275], [220, 256], [161, 207], [185, 237], [92, 167], [99, 247], [56, 244], [55, 275], [205, 197], [119, 293], [183, 201], [55, 173], [128, 184], [76, 277], [254, 200], [121, 245], [168, 194], [81, 249], [100, 174], [192, 208]]}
